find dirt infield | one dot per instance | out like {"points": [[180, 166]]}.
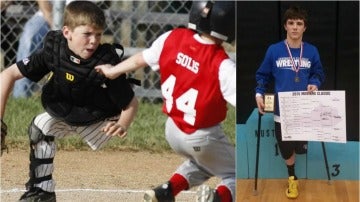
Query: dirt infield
{"points": [[96, 176]]}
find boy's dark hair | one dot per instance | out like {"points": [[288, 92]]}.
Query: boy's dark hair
{"points": [[295, 12], [79, 13]]}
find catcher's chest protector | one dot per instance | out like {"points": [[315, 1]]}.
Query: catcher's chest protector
{"points": [[75, 91]]}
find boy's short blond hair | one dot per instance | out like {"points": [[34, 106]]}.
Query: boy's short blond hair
{"points": [[79, 13]]}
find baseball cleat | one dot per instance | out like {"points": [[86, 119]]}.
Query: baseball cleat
{"points": [[149, 196], [206, 194], [38, 195], [161, 193]]}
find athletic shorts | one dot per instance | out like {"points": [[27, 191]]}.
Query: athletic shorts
{"points": [[287, 148]]}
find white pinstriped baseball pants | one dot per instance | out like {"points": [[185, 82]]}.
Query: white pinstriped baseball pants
{"points": [[50, 126]]}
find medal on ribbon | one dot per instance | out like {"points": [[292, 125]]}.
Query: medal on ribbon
{"points": [[295, 67]]}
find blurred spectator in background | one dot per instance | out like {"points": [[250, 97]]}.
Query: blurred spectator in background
{"points": [[31, 39], [8, 38]]}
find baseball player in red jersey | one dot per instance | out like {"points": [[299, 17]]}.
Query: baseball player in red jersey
{"points": [[197, 81]]}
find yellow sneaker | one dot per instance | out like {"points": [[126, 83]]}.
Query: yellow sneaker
{"points": [[292, 191]]}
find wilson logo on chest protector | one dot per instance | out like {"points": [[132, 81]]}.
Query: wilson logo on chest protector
{"points": [[69, 77]]}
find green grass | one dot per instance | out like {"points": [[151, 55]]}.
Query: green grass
{"points": [[145, 133]]}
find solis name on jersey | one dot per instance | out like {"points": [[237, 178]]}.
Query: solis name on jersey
{"points": [[187, 62]]}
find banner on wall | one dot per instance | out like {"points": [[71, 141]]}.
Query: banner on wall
{"points": [[313, 116]]}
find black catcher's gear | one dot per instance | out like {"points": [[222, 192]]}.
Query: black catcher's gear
{"points": [[3, 135], [216, 18], [76, 93], [35, 136]]}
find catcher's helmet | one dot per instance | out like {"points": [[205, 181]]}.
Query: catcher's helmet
{"points": [[216, 18]]}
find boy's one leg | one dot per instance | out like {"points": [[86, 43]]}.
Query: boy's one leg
{"points": [[40, 186]]}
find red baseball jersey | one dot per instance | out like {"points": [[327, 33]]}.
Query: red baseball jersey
{"points": [[190, 81]]}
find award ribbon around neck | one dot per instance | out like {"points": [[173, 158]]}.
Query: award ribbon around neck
{"points": [[295, 67]]}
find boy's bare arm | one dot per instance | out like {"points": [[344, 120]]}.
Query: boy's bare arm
{"points": [[127, 116], [131, 64], [7, 80]]}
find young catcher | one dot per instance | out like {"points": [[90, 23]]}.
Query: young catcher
{"points": [[77, 99]]}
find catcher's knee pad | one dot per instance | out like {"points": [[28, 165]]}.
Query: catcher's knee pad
{"points": [[36, 135]]}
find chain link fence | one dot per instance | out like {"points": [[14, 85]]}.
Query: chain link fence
{"points": [[133, 24]]}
